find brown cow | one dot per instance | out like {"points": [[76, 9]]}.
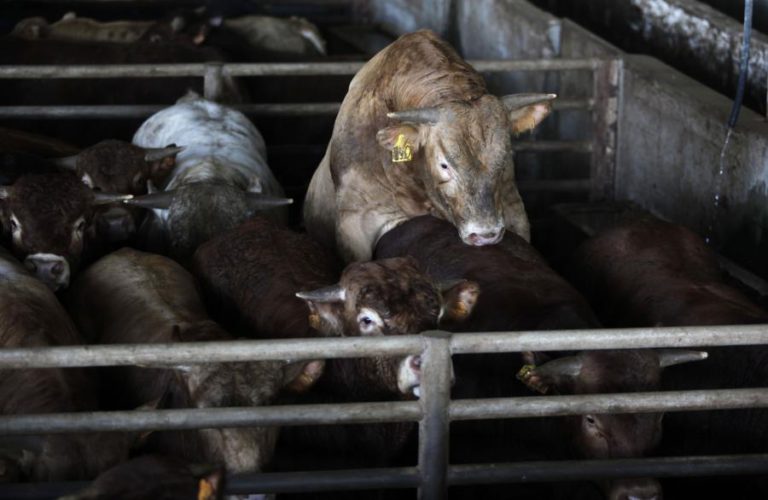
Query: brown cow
{"points": [[259, 269], [120, 167], [131, 297], [48, 215], [417, 134], [521, 292], [644, 272], [31, 317]]}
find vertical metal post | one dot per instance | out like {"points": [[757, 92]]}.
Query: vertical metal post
{"points": [[213, 81], [436, 375], [605, 120]]}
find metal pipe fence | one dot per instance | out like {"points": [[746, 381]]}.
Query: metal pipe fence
{"points": [[435, 409]]}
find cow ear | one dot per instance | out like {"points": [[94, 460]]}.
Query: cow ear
{"points": [[388, 136], [526, 111], [459, 298], [300, 376], [556, 374], [326, 309]]}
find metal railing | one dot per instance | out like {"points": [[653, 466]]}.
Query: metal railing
{"points": [[602, 105], [434, 411]]}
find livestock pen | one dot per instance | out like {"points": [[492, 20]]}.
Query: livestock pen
{"points": [[593, 83]]}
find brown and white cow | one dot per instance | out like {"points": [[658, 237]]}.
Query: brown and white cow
{"points": [[645, 272], [259, 273], [521, 292], [31, 317], [115, 166], [132, 297], [48, 215], [418, 133]]}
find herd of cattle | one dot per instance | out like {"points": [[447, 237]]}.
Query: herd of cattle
{"points": [[181, 236]]}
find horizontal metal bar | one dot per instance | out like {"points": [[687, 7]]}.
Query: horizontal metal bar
{"points": [[265, 69], [209, 352], [107, 421], [349, 347], [639, 402], [615, 338], [145, 110], [573, 470], [550, 146], [563, 185], [356, 413], [407, 477]]}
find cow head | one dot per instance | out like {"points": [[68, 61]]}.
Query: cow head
{"points": [[461, 150], [246, 384], [119, 167], [387, 297], [31, 28], [625, 435], [199, 211], [47, 216]]}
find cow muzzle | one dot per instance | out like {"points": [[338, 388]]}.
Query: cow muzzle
{"points": [[635, 489], [115, 224], [53, 270], [477, 235], [409, 376]]}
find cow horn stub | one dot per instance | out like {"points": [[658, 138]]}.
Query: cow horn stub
{"points": [[518, 101], [106, 198], [157, 154], [416, 115], [333, 293], [66, 163], [259, 201], [673, 357], [159, 200]]}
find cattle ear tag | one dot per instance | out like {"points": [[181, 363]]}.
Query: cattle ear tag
{"points": [[205, 490], [402, 151]]}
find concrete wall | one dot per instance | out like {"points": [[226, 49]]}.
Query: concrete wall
{"points": [[404, 16]]}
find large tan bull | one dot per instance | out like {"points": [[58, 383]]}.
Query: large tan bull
{"points": [[419, 134]]}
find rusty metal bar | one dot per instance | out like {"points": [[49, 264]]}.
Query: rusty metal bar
{"points": [[145, 110], [265, 69], [436, 371], [401, 411], [605, 120], [407, 477], [351, 347]]}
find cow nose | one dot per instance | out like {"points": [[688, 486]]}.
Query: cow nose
{"points": [[53, 270], [490, 237], [636, 489]]}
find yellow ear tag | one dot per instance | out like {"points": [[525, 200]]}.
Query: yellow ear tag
{"points": [[525, 372], [205, 490], [402, 151]]}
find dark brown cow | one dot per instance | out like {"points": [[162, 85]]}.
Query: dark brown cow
{"points": [[133, 297], [155, 477], [120, 167], [259, 270], [48, 215], [647, 272], [418, 133], [521, 292], [31, 317]]}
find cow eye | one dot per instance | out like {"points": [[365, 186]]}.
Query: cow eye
{"points": [[14, 225], [80, 225], [444, 166], [590, 419], [366, 320]]}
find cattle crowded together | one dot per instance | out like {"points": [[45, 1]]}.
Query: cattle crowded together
{"points": [[412, 222]]}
